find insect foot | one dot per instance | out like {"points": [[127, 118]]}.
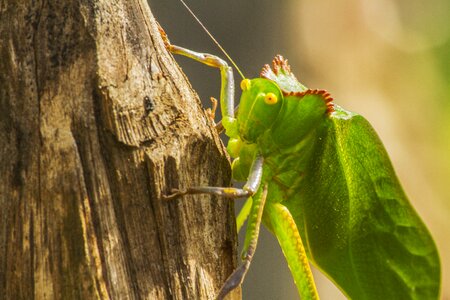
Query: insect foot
{"points": [[211, 112], [164, 37], [175, 193]]}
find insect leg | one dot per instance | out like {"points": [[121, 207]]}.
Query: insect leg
{"points": [[252, 185], [227, 79], [285, 229], [219, 126], [251, 240], [243, 214], [212, 111]]}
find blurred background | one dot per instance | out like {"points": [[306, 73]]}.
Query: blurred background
{"points": [[387, 60]]}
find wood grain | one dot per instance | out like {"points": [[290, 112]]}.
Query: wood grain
{"points": [[96, 123]]}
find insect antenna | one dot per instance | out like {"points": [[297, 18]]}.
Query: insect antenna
{"points": [[212, 37]]}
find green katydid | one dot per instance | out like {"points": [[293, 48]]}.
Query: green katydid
{"points": [[318, 177]]}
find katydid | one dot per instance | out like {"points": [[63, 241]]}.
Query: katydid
{"points": [[318, 177]]}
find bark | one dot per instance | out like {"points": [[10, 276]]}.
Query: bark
{"points": [[96, 123]]}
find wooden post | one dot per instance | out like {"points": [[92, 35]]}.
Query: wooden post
{"points": [[96, 123]]}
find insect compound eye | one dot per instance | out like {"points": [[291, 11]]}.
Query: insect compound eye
{"points": [[245, 84], [271, 98]]}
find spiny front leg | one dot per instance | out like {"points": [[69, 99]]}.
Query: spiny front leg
{"points": [[251, 241], [227, 81]]}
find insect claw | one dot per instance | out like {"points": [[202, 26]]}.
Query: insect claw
{"points": [[175, 193], [211, 112], [213, 109], [164, 37]]}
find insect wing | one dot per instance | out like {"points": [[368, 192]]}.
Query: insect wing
{"points": [[357, 224]]}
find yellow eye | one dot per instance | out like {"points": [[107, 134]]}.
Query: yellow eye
{"points": [[245, 84], [270, 98]]}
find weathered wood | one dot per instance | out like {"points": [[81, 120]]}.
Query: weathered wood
{"points": [[96, 123]]}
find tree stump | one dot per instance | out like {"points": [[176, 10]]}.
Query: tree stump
{"points": [[97, 122]]}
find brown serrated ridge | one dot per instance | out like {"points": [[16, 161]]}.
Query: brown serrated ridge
{"points": [[278, 63], [264, 72], [324, 93]]}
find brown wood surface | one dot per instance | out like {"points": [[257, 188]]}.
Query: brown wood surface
{"points": [[96, 123]]}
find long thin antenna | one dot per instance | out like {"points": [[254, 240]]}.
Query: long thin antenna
{"points": [[212, 37]]}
